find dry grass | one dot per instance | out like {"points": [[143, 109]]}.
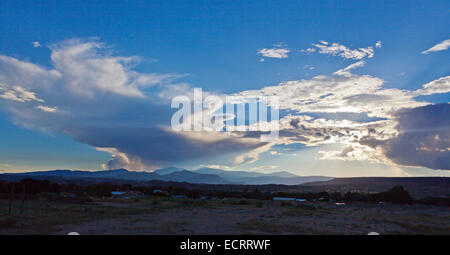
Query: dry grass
{"points": [[42, 216], [173, 227], [260, 226]]}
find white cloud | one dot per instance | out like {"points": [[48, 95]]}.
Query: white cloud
{"points": [[36, 44], [223, 167], [337, 49], [47, 108], [378, 44], [339, 92], [18, 94], [122, 160], [356, 152], [252, 156], [346, 70], [26, 74], [265, 168], [308, 50], [439, 86], [274, 52], [444, 45], [87, 70]]}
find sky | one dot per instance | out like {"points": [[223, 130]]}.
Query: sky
{"points": [[363, 85]]}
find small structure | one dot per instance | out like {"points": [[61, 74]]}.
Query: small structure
{"points": [[160, 192], [118, 193]]}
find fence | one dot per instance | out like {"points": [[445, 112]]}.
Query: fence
{"points": [[21, 196]]}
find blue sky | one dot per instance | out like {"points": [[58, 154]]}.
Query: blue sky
{"points": [[213, 45]]}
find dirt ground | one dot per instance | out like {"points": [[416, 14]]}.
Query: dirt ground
{"points": [[171, 216], [246, 220]]}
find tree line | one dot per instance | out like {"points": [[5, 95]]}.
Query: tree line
{"points": [[28, 186]]}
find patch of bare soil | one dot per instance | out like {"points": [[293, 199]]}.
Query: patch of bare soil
{"points": [[272, 218]]}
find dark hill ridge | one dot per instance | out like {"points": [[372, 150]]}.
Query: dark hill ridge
{"points": [[419, 187], [172, 174]]}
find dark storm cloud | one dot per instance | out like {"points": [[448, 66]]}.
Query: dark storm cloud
{"points": [[423, 139], [157, 145]]}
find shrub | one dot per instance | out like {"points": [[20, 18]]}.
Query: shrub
{"points": [[396, 195], [306, 207], [284, 203], [8, 222], [244, 202]]}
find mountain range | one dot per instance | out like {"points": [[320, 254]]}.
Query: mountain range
{"points": [[172, 174]]}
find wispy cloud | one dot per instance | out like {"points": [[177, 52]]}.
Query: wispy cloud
{"points": [[264, 168], [439, 86], [444, 45], [308, 50], [47, 108]]}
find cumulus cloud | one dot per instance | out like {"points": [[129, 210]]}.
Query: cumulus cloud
{"points": [[122, 160], [444, 45]]}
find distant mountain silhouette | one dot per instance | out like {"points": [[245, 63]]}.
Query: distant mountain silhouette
{"points": [[192, 177], [172, 174], [168, 170]]}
